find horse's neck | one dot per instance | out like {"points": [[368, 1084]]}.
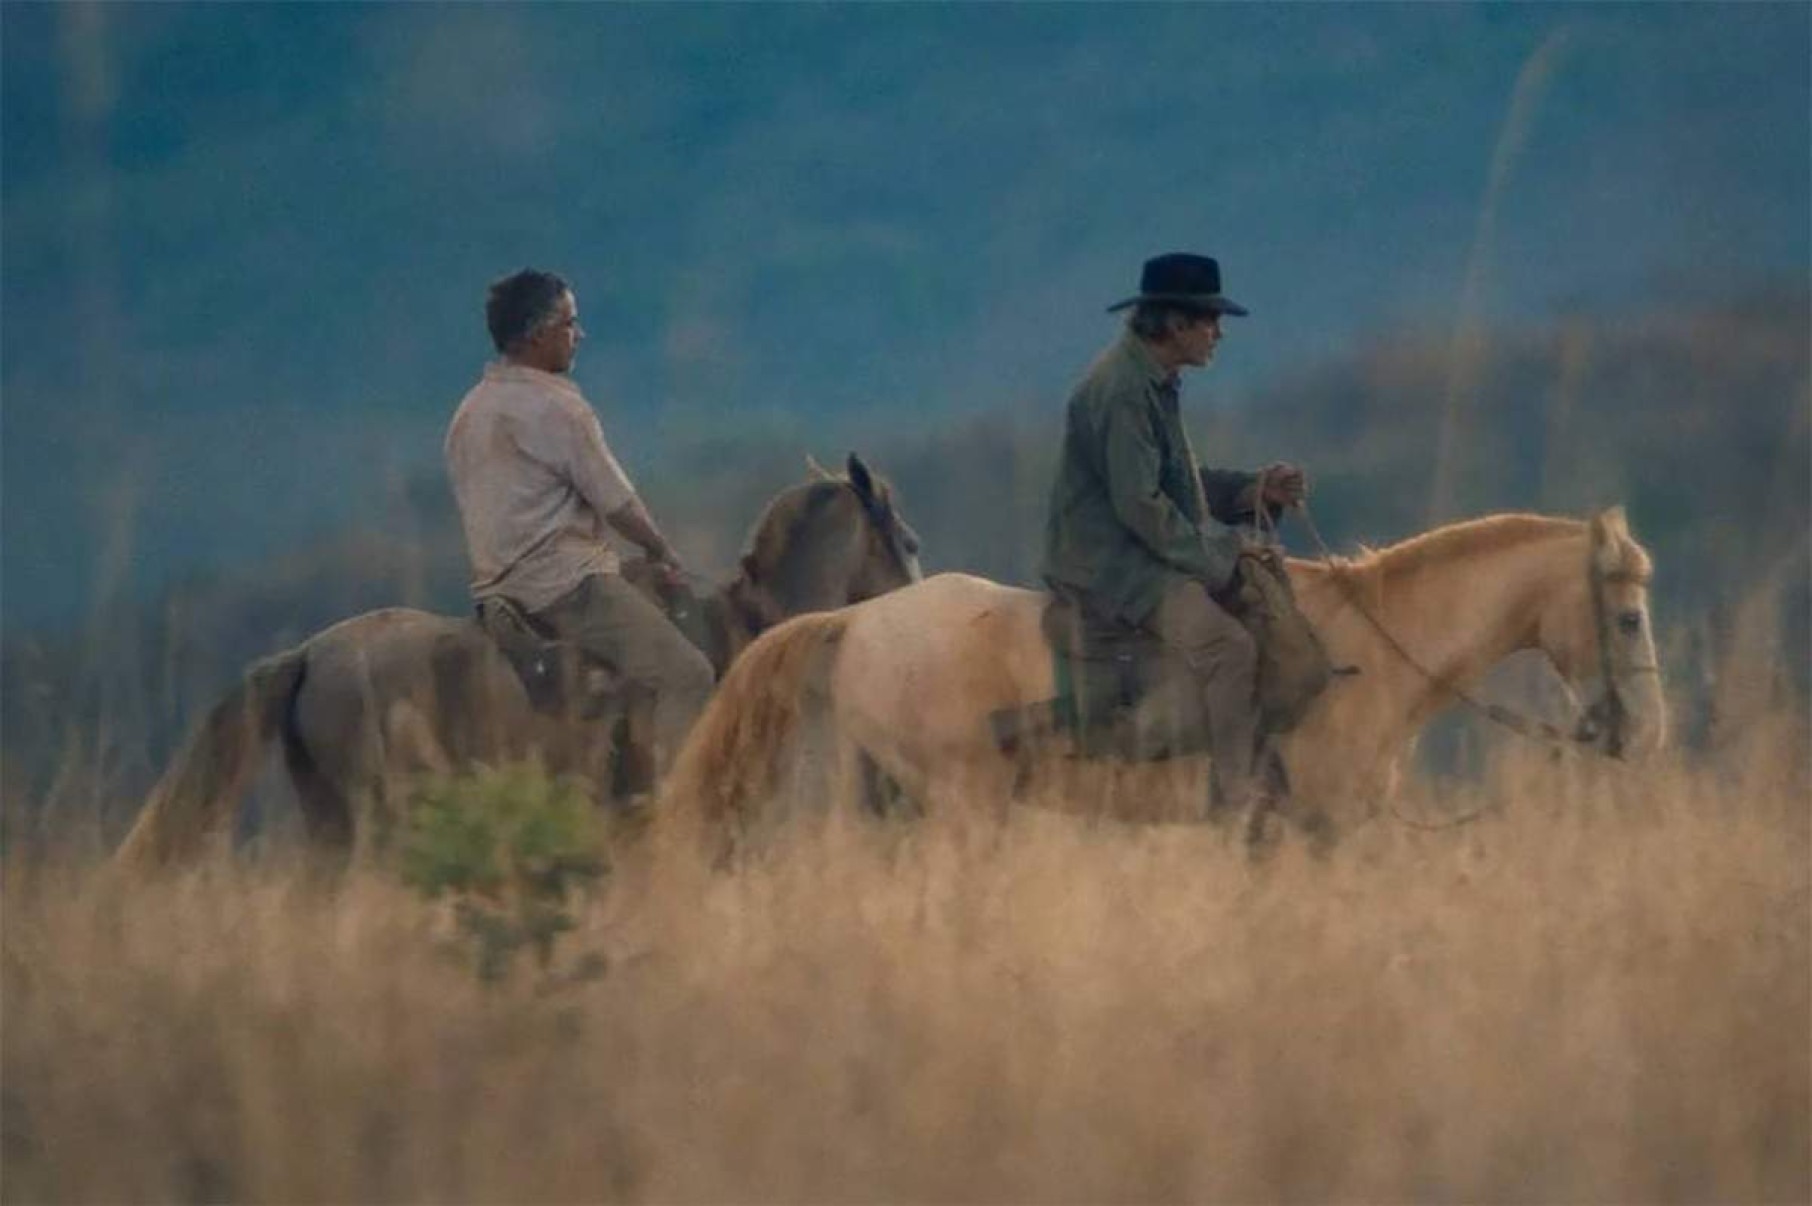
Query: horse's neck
{"points": [[746, 606], [1426, 634], [1459, 619], [735, 614], [722, 641]]}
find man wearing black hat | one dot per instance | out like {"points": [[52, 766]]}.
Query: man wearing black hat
{"points": [[1140, 533]]}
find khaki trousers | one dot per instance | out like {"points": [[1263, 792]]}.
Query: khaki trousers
{"points": [[1223, 662], [670, 679]]}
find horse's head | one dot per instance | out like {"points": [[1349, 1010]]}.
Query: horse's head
{"points": [[890, 550], [834, 540], [1595, 628]]}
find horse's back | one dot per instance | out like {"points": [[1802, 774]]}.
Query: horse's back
{"points": [[380, 633], [936, 658], [376, 676], [952, 596], [958, 618]]}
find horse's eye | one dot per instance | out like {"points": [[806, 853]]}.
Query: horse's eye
{"points": [[1629, 623]]}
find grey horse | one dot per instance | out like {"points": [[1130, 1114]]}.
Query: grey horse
{"points": [[369, 703]]}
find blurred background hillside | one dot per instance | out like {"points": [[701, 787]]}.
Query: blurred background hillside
{"points": [[1533, 257], [1695, 419]]}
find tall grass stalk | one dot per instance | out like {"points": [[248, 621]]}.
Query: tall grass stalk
{"points": [[1598, 992]]}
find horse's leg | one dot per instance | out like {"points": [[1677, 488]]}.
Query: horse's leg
{"points": [[1278, 808], [1307, 815], [326, 815], [314, 741], [327, 822], [347, 739], [1272, 810], [880, 794], [634, 771], [980, 788]]}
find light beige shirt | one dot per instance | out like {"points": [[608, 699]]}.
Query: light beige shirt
{"points": [[534, 480]]}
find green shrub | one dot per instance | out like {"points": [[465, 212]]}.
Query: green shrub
{"points": [[512, 848]]}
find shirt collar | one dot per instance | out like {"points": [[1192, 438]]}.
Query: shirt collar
{"points": [[503, 370]]}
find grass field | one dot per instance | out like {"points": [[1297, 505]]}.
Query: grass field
{"points": [[1597, 992]]}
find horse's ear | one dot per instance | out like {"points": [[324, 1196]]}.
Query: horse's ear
{"points": [[818, 471], [1611, 524], [860, 478], [1610, 533]]}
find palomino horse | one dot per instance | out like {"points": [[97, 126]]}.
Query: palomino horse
{"points": [[396, 692], [913, 678]]}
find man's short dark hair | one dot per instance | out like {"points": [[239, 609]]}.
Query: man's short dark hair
{"points": [[520, 302]]}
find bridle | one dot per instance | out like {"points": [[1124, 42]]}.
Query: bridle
{"points": [[1611, 710], [1614, 713]]}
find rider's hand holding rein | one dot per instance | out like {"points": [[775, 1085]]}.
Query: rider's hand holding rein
{"points": [[1285, 485], [635, 523]]}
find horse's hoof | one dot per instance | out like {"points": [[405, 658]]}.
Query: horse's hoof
{"points": [[1319, 832], [1264, 833]]}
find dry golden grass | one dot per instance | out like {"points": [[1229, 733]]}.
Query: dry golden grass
{"points": [[1597, 993]]}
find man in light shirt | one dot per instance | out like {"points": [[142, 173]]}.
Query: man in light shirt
{"points": [[537, 487]]}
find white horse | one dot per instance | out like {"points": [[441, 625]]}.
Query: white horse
{"points": [[912, 678]]}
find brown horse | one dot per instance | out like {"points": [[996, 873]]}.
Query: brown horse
{"points": [[375, 699], [912, 679]]}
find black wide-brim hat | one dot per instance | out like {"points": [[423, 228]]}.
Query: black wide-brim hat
{"points": [[1185, 280]]}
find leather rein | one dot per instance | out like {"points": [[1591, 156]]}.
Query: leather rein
{"points": [[1615, 713]]}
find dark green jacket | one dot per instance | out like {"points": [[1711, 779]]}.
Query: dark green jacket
{"points": [[1130, 507]]}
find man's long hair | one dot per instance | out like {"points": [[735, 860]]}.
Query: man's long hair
{"points": [[1155, 321]]}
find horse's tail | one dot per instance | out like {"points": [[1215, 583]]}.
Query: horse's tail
{"points": [[201, 787], [733, 756]]}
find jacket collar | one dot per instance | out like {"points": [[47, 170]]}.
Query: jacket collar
{"points": [[1140, 353]]}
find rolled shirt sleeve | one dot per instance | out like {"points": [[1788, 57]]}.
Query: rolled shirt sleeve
{"points": [[592, 468]]}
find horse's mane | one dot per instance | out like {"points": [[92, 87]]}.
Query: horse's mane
{"points": [[1475, 537], [1464, 538]]}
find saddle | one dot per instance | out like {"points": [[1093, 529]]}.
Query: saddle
{"points": [[1122, 694], [1293, 665], [562, 679], [1105, 670], [559, 678]]}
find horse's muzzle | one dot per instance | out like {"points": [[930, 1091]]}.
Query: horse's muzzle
{"points": [[1595, 729]]}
